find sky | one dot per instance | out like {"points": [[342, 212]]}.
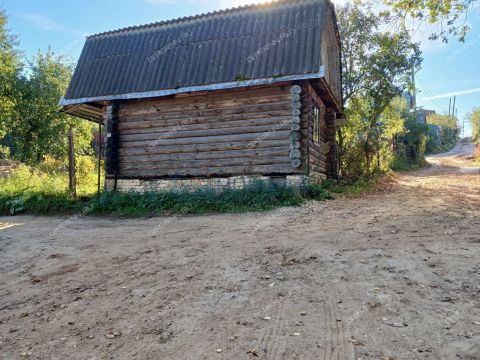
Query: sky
{"points": [[447, 70]]}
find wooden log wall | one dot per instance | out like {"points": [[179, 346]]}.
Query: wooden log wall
{"points": [[319, 153], [331, 165], [296, 133], [219, 134]]}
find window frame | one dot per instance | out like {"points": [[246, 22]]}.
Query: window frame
{"points": [[316, 118]]}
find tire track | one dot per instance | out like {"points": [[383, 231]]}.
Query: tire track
{"points": [[273, 336], [336, 342]]}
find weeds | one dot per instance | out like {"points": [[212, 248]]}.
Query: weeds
{"points": [[257, 197], [32, 191], [355, 188]]}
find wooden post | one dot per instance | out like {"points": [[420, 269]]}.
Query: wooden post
{"points": [[99, 155], [453, 108], [72, 181], [111, 153]]}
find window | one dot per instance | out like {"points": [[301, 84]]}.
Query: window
{"points": [[316, 124]]}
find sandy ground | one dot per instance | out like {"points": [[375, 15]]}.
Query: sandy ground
{"points": [[390, 275]]}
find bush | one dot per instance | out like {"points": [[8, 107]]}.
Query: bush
{"points": [[41, 191], [4, 152], [48, 194], [400, 159], [260, 196], [29, 189], [50, 165], [352, 188], [85, 166], [87, 175]]}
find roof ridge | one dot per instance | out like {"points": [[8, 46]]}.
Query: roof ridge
{"points": [[185, 19]]}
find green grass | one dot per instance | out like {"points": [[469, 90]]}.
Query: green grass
{"points": [[31, 191], [355, 188], [258, 197], [407, 166]]}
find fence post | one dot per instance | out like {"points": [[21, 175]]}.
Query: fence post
{"points": [[72, 181]]}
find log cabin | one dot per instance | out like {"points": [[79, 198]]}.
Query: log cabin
{"points": [[218, 100]]}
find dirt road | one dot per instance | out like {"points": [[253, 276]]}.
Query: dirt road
{"points": [[391, 275]]}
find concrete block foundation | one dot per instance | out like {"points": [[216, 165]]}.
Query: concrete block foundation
{"points": [[219, 184]]}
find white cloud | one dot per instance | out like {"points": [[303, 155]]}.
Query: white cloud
{"points": [[47, 24], [41, 22], [455, 93]]}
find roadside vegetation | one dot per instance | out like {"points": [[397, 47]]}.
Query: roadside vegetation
{"points": [[474, 119], [382, 132], [448, 133], [27, 191], [44, 188]]}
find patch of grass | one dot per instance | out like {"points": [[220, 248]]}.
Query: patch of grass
{"points": [[257, 197], [32, 191], [352, 189], [401, 166], [476, 155]]}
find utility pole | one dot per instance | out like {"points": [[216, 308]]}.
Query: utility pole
{"points": [[413, 104], [453, 109], [449, 106]]}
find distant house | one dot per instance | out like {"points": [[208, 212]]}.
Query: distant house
{"points": [[217, 99]]}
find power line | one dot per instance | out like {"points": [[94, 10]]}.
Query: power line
{"points": [[427, 90]]}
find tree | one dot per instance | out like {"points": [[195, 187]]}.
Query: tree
{"points": [[474, 119], [10, 68], [38, 128], [449, 130], [377, 67], [409, 144], [373, 58], [450, 15], [443, 120]]}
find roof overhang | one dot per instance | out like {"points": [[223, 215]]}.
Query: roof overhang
{"points": [[324, 90], [210, 87], [90, 112]]}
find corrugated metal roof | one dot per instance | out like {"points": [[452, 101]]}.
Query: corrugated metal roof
{"points": [[273, 40]]}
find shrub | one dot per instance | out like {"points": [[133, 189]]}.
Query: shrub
{"points": [[85, 166], [50, 165], [33, 191], [260, 196], [30, 189], [400, 159], [87, 175], [4, 152]]}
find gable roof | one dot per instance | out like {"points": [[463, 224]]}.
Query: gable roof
{"points": [[238, 47]]}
